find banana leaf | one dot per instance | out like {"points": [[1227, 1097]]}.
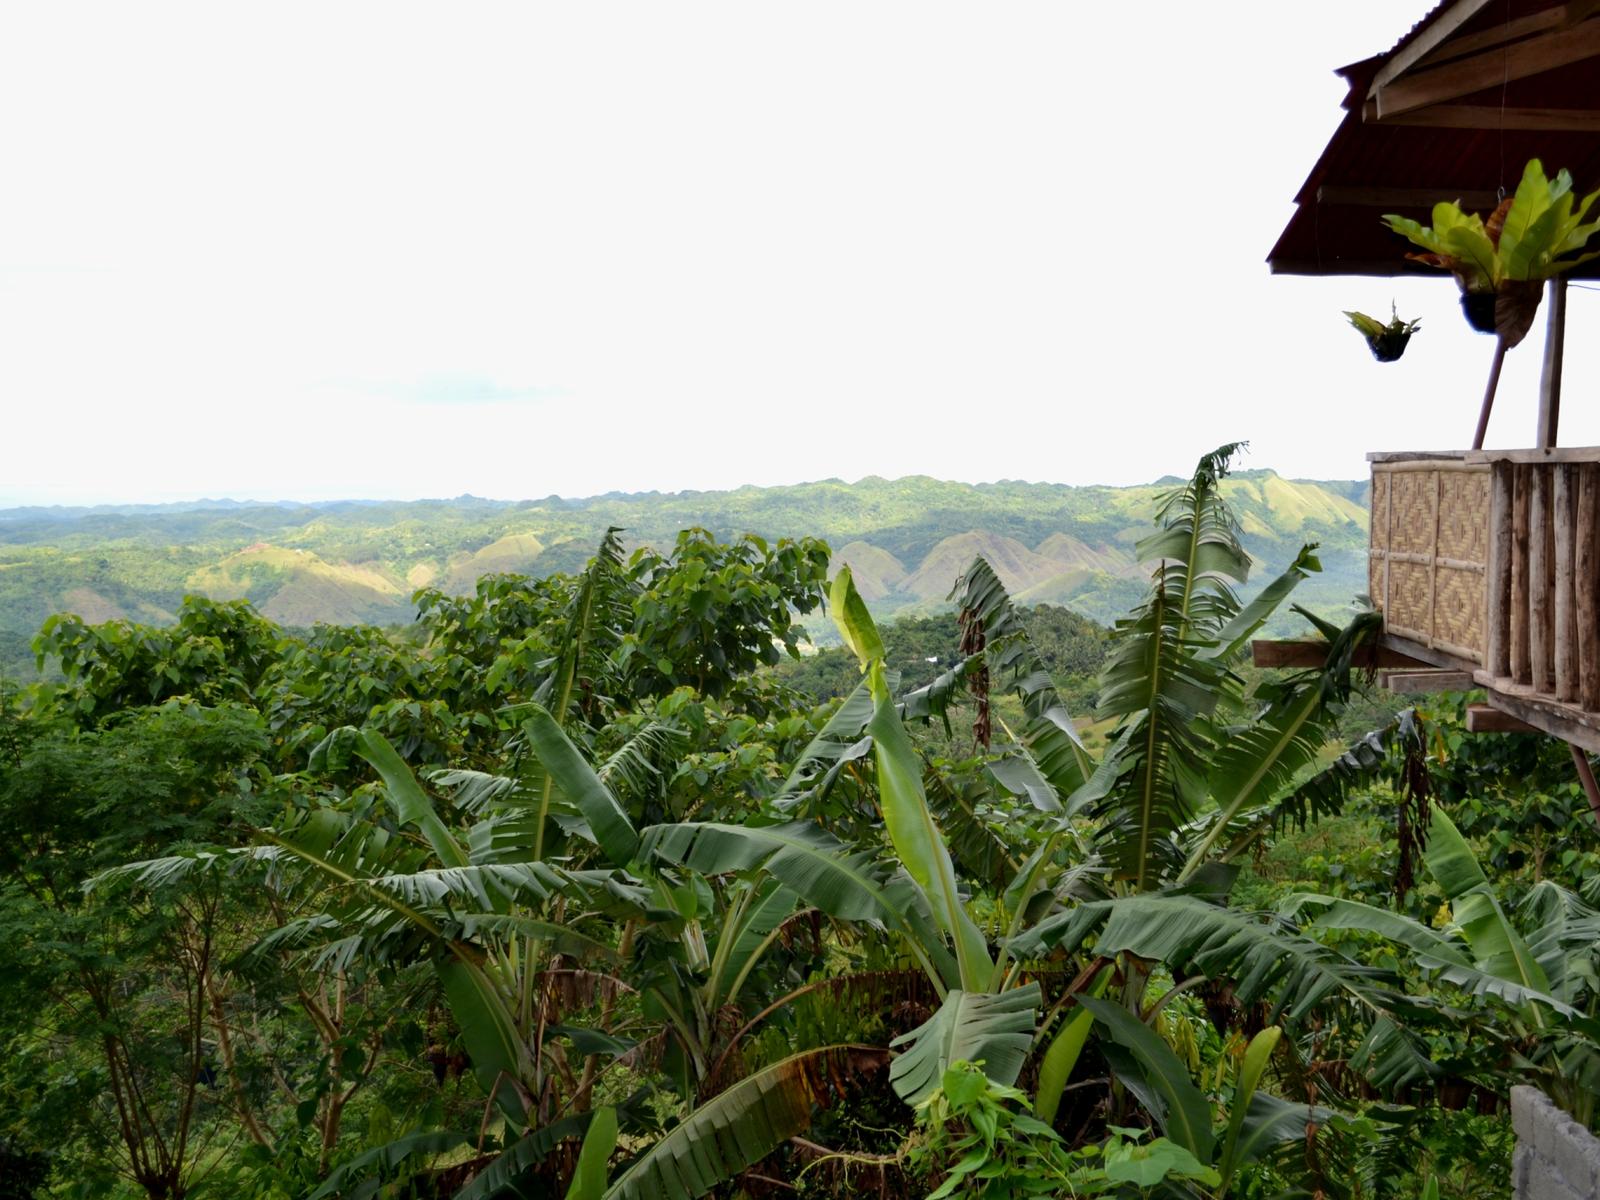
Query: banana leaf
{"points": [[995, 1030], [612, 829], [741, 1126], [1187, 1116]]}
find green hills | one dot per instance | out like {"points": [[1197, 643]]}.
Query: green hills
{"points": [[906, 540]]}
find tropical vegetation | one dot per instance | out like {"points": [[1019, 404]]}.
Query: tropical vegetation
{"points": [[593, 885]]}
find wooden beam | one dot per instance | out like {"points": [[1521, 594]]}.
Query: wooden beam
{"points": [[1521, 661], [1541, 580], [1554, 720], [1436, 680], [1395, 197], [1553, 454], [1587, 573], [1555, 340], [1565, 515], [1487, 117], [1481, 718], [1497, 590], [1294, 655], [1489, 391], [1428, 40], [1428, 656], [1560, 48], [1591, 789], [1427, 459], [1558, 17]]}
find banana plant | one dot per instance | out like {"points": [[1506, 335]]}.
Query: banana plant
{"points": [[1540, 965], [984, 1013], [1192, 757], [1187, 765], [385, 879], [1196, 768], [1257, 1124]]}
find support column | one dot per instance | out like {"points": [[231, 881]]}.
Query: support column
{"points": [[1555, 338]]}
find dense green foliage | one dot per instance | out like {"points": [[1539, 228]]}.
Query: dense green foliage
{"points": [[593, 885], [920, 649]]}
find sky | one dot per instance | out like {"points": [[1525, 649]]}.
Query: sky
{"points": [[314, 251]]}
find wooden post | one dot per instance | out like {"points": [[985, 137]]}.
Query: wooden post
{"points": [[1555, 337], [1586, 777], [1550, 575], [1481, 718], [1489, 391], [1521, 664], [1540, 618], [1497, 583], [1564, 528], [1586, 570]]}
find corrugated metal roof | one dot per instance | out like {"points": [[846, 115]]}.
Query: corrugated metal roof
{"points": [[1329, 236]]}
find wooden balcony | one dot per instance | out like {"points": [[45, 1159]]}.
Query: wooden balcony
{"points": [[1486, 561]]}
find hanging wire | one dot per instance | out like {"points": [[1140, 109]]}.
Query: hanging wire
{"points": [[1505, 83]]}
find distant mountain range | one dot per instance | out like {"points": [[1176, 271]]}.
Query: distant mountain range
{"points": [[906, 540]]}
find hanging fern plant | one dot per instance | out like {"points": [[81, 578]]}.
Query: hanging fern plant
{"points": [[1387, 342], [1502, 262]]}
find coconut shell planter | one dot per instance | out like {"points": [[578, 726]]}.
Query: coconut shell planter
{"points": [[1507, 312], [1478, 307], [1387, 342]]}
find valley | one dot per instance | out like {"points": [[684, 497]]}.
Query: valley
{"points": [[905, 540]]}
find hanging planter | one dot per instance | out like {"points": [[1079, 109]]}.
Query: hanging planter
{"points": [[1478, 308], [1387, 342], [1501, 263]]}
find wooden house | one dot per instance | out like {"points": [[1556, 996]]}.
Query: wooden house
{"points": [[1484, 562]]}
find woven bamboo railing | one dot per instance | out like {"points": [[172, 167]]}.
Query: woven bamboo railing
{"points": [[1490, 558]]}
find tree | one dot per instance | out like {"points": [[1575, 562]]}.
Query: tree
{"points": [[121, 982]]}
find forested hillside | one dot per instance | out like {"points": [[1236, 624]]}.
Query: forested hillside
{"points": [[905, 541], [593, 886]]}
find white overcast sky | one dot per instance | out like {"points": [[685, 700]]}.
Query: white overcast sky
{"points": [[310, 251]]}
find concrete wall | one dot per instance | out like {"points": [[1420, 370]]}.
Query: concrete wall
{"points": [[1557, 1159]]}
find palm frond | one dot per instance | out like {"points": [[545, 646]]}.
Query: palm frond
{"points": [[613, 830], [1152, 781], [985, 857], [1048, 743], [839, 741], [1262, 760], [814, 864], [174, 870], [1564, 938], [1265, 958], [1325, 793], [474, 791], [1433, 951], [633, 770], [1196, 549], [1233, 636], [1264, 954], [597, 618]]}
